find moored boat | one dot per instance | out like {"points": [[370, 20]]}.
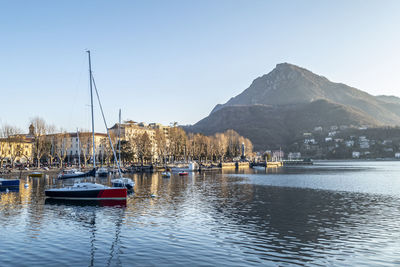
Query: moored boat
{"points": [[191, 167], [10, 184], [183, 173], [77, 173], [87, 191], [102, 172], [74, 173], [35, 174], [123, 182], [166, 174]]}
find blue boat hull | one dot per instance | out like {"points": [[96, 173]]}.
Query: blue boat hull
{"points": [[86, 174], [9, 183]]}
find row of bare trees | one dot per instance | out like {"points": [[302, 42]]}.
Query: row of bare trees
{"points": [[146, 146], [180, 146], [42, 141]]}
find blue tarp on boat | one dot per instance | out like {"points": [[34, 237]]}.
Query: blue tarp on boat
{"points": [[4, 183]]}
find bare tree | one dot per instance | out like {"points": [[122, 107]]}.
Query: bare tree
{"points": [[143, 146], [86, 146], [106, 154], [233, 149], [126, 151], [40, 131], [12, 137], [221, 145], [50, 137], [161, 145], [61, 144], [178, 141]]}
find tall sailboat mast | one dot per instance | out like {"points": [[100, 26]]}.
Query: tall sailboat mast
{"points": [[91, 101], [79, 148], [119, 137]]}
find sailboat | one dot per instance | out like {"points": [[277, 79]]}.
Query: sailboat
{"points": [[89, 191], [121, 181], [77, 173], [102, 171]]}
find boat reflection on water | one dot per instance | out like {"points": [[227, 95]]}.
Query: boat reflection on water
{"points": [[11, 189], [94, 221], [99, 203]]}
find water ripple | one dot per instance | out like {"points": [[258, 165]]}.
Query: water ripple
{"points": [[334, 214]]}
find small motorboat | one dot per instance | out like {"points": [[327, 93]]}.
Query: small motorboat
{"points": [[183, 173], [74, 173], [123, 182], [102, 172], [87, 191], [258, 167], [35, 174], [191, 167], [166, 174], [9, 184]]}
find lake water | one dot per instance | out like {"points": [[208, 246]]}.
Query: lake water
{"points": [[328, 214]]}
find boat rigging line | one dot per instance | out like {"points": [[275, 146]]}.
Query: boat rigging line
{"points": [[105, 123]]}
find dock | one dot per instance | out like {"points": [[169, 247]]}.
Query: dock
{"points": [[297, 162]]}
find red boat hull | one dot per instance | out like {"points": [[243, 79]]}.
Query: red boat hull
{"points": [[107, 193]]}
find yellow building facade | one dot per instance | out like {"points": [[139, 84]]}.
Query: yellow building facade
{"points": [[16, 149]]}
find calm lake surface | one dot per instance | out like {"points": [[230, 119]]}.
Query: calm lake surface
{"points": [[328, 214]]}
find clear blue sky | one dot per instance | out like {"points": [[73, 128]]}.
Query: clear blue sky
{"points": [[164, 61]]}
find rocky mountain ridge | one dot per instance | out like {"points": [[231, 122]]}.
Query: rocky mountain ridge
{"points": [[277, 106]]}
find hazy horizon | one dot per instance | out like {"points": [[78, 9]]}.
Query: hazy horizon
{"points": [[174, 61]]}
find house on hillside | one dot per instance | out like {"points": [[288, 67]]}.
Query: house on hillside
{"points": [[297, 155], [364, 144], [310, 141], [387, 142], [349, 143], [277, 155]]}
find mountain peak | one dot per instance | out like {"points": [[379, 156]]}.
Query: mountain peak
{"points": [[281, 105], [285, 84], [286, 65], [288, 84]]}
